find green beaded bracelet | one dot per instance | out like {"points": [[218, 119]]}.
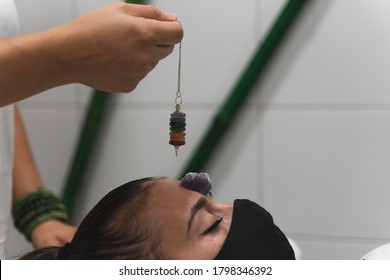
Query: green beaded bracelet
{"points": [[35, 208]]}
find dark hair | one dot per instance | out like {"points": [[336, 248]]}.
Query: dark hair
{"points": [[114, 229]]}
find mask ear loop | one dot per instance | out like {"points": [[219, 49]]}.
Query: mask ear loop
{"points": [[177, 121]]}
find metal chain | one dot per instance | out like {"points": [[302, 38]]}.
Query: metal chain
{"points": [[178, 99]]}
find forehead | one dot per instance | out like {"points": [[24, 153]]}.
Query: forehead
{"points": [[170, 202], [169, 191]]}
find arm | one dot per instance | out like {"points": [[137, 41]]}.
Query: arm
{"points": [[26, 179], [110, 49]]}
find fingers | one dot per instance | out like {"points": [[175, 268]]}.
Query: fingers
{"points": [[167, 33], [166, 29], [147, 11], [163, 51]]}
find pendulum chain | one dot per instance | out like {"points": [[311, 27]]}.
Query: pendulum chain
{"points": [[178, 100]]}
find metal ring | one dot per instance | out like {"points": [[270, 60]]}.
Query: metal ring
{"points": [[178, 100]]}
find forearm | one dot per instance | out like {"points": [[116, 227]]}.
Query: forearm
{"points": [[26, 178], [39, 215], [30, 64]]}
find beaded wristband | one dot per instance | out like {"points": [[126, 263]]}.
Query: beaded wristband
{"points": [[36, 208]]}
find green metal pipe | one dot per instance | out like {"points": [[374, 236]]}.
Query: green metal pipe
{"points": [[88, 137], [240, 92]]}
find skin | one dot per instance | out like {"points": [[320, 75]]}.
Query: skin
{"points": [[26, 179], [169, 206], [111, 49]]}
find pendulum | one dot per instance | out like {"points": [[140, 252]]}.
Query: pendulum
{"points": [[178, 118], [177, 126]]}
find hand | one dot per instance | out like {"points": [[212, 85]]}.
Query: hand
{"points": [[52, 233], [111, 49], [115, 47]]}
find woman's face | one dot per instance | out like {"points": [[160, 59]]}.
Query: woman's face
{"points": [[192, 226]]}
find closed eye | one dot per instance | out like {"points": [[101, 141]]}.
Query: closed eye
{"points": [[213, 227]]}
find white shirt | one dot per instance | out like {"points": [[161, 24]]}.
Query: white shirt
{"points": [[8, 27], [380, 253]]}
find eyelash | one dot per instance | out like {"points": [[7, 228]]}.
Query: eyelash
{"points": [[213, 227]]}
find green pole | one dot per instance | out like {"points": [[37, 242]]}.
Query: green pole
{"points": [[88, 137], [240, 92]]}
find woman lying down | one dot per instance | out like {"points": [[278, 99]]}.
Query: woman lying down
{"points": [[162, 218]]}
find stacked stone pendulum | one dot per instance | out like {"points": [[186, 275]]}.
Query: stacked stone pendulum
{"points": [[178, 128], [178, 118]]}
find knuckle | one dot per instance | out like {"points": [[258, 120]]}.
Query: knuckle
{"points": [[144, 33]]}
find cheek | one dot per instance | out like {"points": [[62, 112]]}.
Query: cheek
{"points": [[172, 235]]}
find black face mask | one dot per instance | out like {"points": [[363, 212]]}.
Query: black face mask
{"points": [[254, 236]]}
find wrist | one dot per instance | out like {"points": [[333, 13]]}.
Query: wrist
{"points": [[36, 208], [56, 47]]}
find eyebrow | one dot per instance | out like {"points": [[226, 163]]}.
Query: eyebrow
{"points": [[197, 206]]}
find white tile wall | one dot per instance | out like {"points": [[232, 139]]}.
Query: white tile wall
{"points": [[330, 170], [38, 15], [235, 166], [311, 144], [338, 56]]}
